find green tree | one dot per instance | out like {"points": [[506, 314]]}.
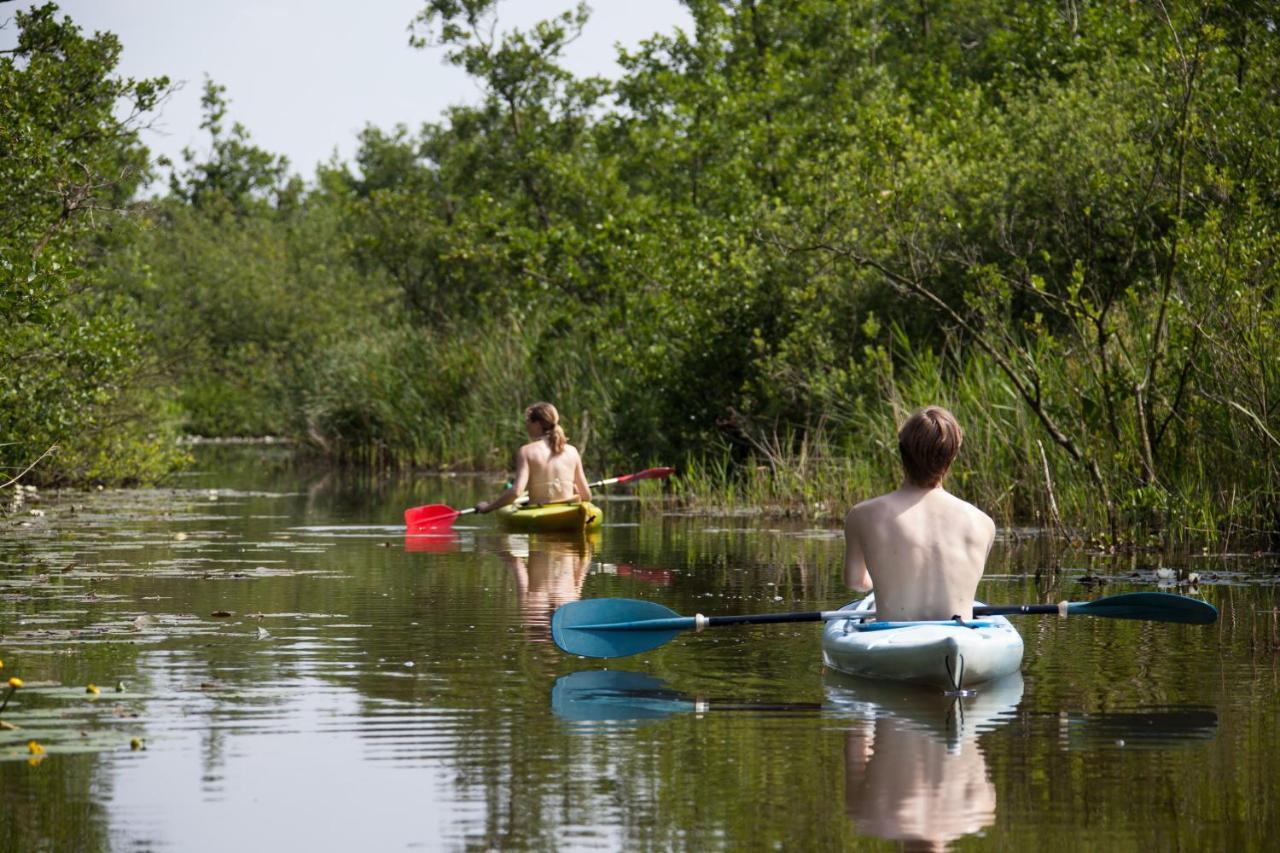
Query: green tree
{"points": [[70, 163]]}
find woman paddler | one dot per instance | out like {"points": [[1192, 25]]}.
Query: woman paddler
{"points": [[548, 466]]}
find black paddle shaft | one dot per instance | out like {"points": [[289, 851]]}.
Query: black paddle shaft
{"points": [[1012, 609], [764, 618], [818, 615]]}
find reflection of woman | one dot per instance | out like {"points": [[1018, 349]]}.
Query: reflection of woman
{"points": [[550, 575], [548, 466]]}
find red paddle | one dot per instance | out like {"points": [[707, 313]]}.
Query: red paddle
{"points": [[443, 515]]}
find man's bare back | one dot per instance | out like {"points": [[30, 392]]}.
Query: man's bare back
{"points": [[924, 549]]}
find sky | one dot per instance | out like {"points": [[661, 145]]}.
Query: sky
{"points": [[304, 76]]}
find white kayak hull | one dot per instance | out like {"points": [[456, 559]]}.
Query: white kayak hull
{"points": [[951, 657]]}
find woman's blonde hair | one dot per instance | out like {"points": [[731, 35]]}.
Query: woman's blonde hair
{"points": [[546, 415]]}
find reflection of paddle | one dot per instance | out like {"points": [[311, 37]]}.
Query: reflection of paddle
{"points": [[434, 541], [617, 627], [662, 577], [588, 697], [442, 515], [1157, 727]]}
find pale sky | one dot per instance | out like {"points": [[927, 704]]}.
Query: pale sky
{"points": [[305, 75]]}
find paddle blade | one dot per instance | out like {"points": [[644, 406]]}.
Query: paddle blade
{"points": [[1152, 606], [619, 640], [431, 515], [647, 474]]}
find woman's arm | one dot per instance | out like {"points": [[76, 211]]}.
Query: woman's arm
{"points": [[580, 481], [518, 485]]}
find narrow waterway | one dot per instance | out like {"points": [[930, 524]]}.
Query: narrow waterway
{"points": [[279, 668]]}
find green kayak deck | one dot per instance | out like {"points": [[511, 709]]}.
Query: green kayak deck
{"points": [[550, 517]]}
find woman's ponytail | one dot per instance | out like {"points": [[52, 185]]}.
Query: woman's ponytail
{"points": [[556, 440], [546, 415]]}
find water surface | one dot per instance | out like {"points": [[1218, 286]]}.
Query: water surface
{"points": [[296, 674]]}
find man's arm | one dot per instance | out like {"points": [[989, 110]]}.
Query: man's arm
{"points": [[856, 575]]}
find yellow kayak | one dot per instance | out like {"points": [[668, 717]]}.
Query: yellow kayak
{"points": [[550, 517]]}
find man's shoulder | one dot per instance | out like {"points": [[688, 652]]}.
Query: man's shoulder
{"points": [[870, 507], [975, 515], [896, 498]]}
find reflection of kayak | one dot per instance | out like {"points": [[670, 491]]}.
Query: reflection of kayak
{"points": [[937, 654], [952, 719], [550, 517]]}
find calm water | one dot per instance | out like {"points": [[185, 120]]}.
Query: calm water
{"points": [[369, 696]]}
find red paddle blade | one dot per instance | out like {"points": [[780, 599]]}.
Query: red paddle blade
{"points": [[647, 474], [431, 515]]}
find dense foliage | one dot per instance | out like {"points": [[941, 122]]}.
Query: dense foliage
{"points": [[762, 245], [77, 390]]}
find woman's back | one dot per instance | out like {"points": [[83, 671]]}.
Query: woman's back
{"points": [[548, 468], [552, 476]]}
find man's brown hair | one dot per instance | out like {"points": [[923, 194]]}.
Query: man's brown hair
{"points": [[928, 443]]}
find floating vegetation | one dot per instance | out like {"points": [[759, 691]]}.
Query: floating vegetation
{"points": [[57, 720]]}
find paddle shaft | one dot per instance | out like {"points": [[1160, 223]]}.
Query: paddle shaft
{"points": [[699, 622], [440, 514], [617, 627], [647, 474]]}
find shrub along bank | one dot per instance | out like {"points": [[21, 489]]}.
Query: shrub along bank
{"points": [[760, 247]]}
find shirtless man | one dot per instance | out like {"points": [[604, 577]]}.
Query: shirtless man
{"points": [[548, 466], [923, 548]]}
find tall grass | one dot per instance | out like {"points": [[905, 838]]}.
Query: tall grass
{"points": [[423, 398], [851, 455], [418, 398], [1007, 465]]}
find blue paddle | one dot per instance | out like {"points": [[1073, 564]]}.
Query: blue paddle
{"points": [[617, 627]]}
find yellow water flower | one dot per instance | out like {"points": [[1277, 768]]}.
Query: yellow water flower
{"points": [[35, 748], [15, 682], [136, 744], [92, 689]]}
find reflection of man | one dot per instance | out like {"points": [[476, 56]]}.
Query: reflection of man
{"points": [[904, 784], [550, 575]]}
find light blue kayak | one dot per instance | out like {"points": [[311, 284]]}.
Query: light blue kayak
{"points": [[949, 655]]}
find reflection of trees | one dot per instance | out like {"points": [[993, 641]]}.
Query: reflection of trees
{"points": [[48, 807]]}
